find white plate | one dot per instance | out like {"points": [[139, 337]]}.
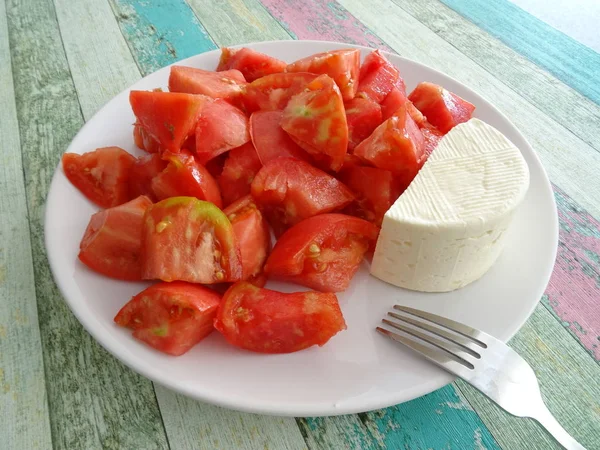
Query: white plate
{"points": [[358, 370]]}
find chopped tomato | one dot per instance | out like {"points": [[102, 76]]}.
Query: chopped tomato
{"points": [[220, 128], [266, 321], [341, 65], [251, 234], [270, 140], [215, 166], [393, 101], [171, 317], [191, 240], [396, 145], [432, 137], [143, 140], [316, 120], [363, 116], [102, 175], [183, 176], [169, 117], [378, 77], [322, 252], [288, 190], [250, 62], [241, 166], [227, 85], [273, 92], [375, 190], [415, 114], [112, 241], [442, 108], [144, 169]]}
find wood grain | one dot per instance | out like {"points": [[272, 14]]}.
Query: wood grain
{"points": [[569, 382], [570, 162], [94, 401], [23, 402], [340, 432]]}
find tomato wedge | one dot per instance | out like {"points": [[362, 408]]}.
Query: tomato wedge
{"points": [[143, 140], [322, 252], [378, 77], [183, 176], [220, 128], [270, 140], [251, 234], [169, 117], [341, 65], [251, 63], [288, 190], [396, 145], [111, 244], [363, 116], [316, 121], [273, 92], [102, 175], [393, 101], [171, 317], [227, 85], [432, 137], [266, 321], [241, 166], [442, 108], [144, 169]]}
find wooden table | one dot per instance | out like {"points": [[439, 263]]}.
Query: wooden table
{"points": [[61, 60]]}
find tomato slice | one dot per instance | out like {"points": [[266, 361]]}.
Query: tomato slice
{"points": [[322, 252], [171, 317], [341, 65], [266, 321], [316, 120], [220, 128], [102, 175], [144, 169], [251, 234], [143, 140], [251, 63], [396, 145], [432, 137], [169, 117], [191, 240], [227, 85], [378, 77], [393, 101], [270, 140], [363, 116], [273, 92], [241, 166], [111, 244], [288, 190], [442, 108]]}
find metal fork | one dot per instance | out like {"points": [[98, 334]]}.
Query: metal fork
{"points": [[480, 359]]}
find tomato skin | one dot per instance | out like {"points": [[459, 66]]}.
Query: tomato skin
{"points": [[144, 169], [316, 120], [171, 317], [101, 175], [227, 85], [378, 77], [363, 116], [168, 117], [288, 190], [187, 239], [341, 65], [251, 63], [220, 128], [273, 92], [241, 166], [111, 244], [443, 109], [266, 321], [322, 252], [183, 176], [252, 235], [269, 139]]}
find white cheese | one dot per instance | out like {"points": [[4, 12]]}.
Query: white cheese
{"points": [[447, 229]]}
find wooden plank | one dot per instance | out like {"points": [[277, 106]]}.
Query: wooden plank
{"points": [[152, 37], [564, 104], [94, 401], [23, 402], [233, 22], [336, 433], [569, 382]]}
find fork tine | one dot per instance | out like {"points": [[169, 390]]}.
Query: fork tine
{"points": [[462, 329]]}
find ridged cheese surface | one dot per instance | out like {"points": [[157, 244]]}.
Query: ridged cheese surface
{"points": [[447, 229]]}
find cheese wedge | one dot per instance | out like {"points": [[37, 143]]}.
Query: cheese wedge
{"points": [[448, 228]]}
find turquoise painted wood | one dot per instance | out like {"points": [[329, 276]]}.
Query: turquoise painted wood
{"points": [[573, 63]]}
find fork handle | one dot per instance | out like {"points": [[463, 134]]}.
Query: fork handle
{"points": [[547, 420]]}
